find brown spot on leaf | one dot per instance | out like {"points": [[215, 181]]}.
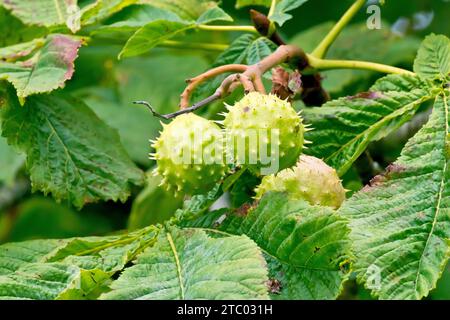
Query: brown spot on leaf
{"points": [[274, 286], [243, 210], [391, 170], [366, 95]]}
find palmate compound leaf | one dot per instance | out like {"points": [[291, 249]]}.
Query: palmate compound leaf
{"points": [[401, 222], [70, 152], [46, 69], [188, 264], [46, 13], [343, 128], [307, 248], [77, 268]]}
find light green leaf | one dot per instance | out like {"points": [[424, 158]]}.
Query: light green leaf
{"points": [[44, 12], [81, 161], [280, 15], [186, 9], [153, 205], [10, 162], [46, 70], [187, 264], [343, 128], [39, 281], [401, 222], [131, 19], [213, 14], [307, 247], [102, 9], [152, 34], [259, 49], [433, 58], [245, 3], [77, 268]]}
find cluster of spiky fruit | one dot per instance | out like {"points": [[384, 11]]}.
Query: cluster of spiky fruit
{"points": [[310, 179], [181, 146]]}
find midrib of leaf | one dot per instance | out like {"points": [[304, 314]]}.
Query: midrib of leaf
{"points": [[439, 196], [373, 130], [177, 262]]}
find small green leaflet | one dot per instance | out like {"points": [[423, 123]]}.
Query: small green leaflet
{"points": [[214, 14], [188, 264], [80, 161], [151, 35], [433, 58], [280, 15], [48, 65]]}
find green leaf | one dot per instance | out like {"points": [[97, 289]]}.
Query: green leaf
{"points": [[151, 35], [81, 161], [186, 9], [153, 205], [46, 13], [102, 9], [77, 268], [306, 246], [10, 162], [400, 222], [343, 128], [131, 19], [433, 58], [214, 14], [48, 69], [259, 49], [187, 264], [245, 3], [280, 15]]}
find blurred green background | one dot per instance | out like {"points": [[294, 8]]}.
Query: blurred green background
{"points": [[109, 86]]}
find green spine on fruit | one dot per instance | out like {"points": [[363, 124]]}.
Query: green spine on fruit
{"points": [[310, 179], [190, 154], [266, 119]]}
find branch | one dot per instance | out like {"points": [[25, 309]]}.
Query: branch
{"points": [[193, 83], [321, 50], [325, 64]]}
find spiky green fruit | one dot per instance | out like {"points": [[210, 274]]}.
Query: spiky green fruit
{"points": [[269, 128], [311, 180], [190, 154]]}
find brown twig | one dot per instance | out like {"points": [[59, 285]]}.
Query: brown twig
{"points": [[193, 83]]}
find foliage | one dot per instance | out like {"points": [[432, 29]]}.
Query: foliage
{"points": [[69, 71]]}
